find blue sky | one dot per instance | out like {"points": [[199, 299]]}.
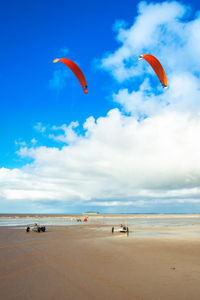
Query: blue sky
{"points": [[33, 33], [127, 146]]}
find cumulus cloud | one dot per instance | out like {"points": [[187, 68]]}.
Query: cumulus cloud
{"points": [[157, 29], [64, 133], [68, 135], [118, 162], [147, 153]]}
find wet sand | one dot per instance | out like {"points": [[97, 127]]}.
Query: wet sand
{"points": [[87, 262]]}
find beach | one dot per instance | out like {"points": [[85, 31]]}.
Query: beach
{"points": [[87, 261]]}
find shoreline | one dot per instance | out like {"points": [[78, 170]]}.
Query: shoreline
{"points": [[99, 216]]}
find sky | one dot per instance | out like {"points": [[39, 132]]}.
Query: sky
{"points": [[128, 146]]}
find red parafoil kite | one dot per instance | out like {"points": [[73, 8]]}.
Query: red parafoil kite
{"points": [[157, 67], [76, 70]]}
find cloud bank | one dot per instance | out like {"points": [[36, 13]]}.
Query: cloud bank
{"points": [[143, 155]]}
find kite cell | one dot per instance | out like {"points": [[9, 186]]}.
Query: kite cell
{"points": [[76, 70], [157, 67]]}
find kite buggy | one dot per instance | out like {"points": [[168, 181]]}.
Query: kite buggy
{"points": [[122, 228], [36, 228]]}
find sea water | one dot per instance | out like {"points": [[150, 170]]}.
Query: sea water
{"points": [[139, 222]]}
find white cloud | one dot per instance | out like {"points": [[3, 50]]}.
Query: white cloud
{"points": [[120, 159], [157, 29], [20, 143], [39, 127], [33, 141], [68, 136], [64, 133], [59, 79], [150, 156]]}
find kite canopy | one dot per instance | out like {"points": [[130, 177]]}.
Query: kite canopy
{"points": [[157, 67], [76, 70]]}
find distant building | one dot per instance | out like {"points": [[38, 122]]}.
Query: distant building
{"points": [[91, 213]]}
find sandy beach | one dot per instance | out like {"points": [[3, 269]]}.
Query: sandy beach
{"points": [[87, 261]]}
